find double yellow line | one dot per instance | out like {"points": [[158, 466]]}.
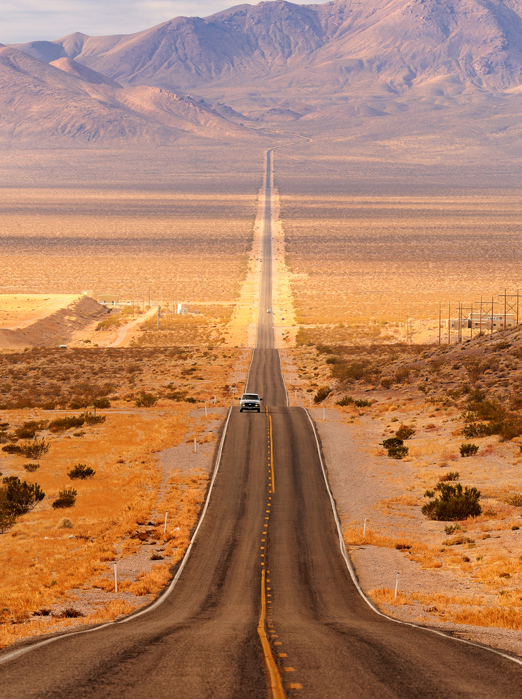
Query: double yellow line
{"points": [[273, 677]]}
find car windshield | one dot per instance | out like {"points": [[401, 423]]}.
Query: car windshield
{"points": [[250, 396]]}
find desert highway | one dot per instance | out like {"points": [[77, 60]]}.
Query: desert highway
{"points": [[265, 605]]}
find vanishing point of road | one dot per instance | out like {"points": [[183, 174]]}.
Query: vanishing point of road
{"points": [[264, 605]]}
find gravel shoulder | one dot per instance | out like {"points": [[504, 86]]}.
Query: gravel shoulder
{"points": [[364, 484]]}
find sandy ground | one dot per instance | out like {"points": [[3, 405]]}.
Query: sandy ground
{"points": [[285, 327], [20, 310]]}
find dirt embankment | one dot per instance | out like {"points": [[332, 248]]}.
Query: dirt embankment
{"points": [[54, 329]]}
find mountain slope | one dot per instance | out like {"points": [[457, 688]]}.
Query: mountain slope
{"points": [[336, 46], [66, 102]]}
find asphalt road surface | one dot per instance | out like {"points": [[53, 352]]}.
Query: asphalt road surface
{"points": [[265, 605]]}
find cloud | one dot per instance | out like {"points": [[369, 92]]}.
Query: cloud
{"points": [[30, 20]]}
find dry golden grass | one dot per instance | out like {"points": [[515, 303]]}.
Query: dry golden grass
{"points": [[190, 247], [42, 563], [366, 260]]}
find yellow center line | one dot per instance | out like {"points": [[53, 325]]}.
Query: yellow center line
{"points": [[271, 451], [274, 679]]}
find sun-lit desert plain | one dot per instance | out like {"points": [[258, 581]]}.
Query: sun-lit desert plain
{"points": [[398, 198]]}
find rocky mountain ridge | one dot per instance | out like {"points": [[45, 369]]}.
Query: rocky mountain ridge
{"points": [[279, 62]]}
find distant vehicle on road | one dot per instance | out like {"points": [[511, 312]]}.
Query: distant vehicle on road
{"points": [[250, 401], [269, 310], [62, 347]]}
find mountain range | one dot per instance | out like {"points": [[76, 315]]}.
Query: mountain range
{"points": [[239, 72]]}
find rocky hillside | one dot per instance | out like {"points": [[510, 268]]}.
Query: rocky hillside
{"points": [[66, 102], [396, 44]]}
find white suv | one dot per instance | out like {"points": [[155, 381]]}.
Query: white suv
{"points": [[250, 401]]}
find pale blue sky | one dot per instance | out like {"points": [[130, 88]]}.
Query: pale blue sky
{"points": [[28, 20]]}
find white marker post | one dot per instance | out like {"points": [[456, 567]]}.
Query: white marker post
{"points": [[364, 527], [195, 446], [396, 585], [205, 410], [165, 525], [214, 400], [115, 577], [310, 400]]}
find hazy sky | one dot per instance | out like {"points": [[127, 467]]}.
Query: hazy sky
{"points": [[27, 20]]}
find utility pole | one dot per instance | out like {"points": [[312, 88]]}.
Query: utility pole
{"points": [[159, 313]]}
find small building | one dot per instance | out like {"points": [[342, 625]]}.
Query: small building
{"points": [[484, 321], [108, 299], [183, 309]]}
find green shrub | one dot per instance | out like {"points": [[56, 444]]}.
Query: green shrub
{"points": [[178, 396], [322, 393], [386, 382], [91, 419], [35, 449], [362, 403], [101, 403], [81, 471], [21, 497], [392, 442], [452, 503], [395, 447], [506, 429], [398, 452], [468, 449], [62, 424], [31, 467], [32, 450], [405, 432], [66, 498], [7, 520], [347, 400], [12, 449], [146, 400], [29, 429]]}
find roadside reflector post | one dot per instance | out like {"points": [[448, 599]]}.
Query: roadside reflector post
{"points": [[165, 525], [396, 586], [214, 400], [364, 527], [205, 410], [115, 577], [310, 400], [195, 446]]}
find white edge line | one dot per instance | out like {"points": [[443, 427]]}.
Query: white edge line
{"points": [[353, 575], [166, 593], [249, 368], [283, 378]]}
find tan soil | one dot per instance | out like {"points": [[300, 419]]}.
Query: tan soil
{"points": [[56, 321]]}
